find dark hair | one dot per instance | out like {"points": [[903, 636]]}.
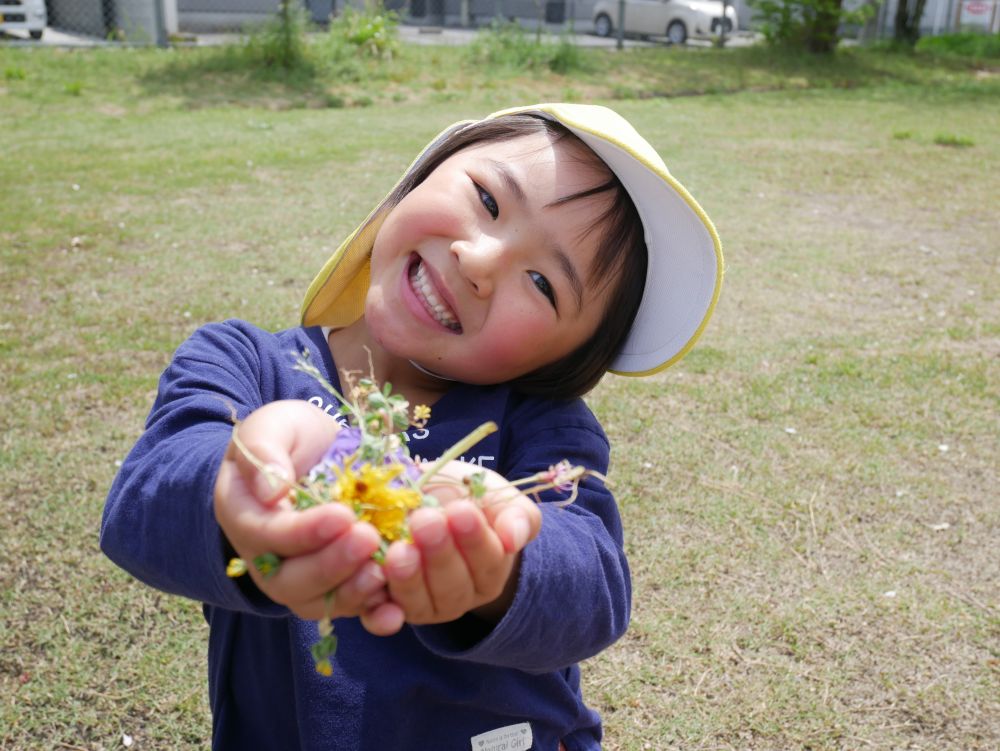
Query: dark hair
{"points": [[620, 259]]}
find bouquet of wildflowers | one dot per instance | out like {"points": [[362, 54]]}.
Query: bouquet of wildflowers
{"points": [[369, 469]]}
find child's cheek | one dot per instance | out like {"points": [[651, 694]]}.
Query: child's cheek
{"points": [[417, 219], [510, 346]]}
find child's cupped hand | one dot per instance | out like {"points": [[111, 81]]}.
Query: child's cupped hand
{"points": [[323, 548], [464, 555]]}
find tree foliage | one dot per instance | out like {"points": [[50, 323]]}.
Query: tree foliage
{"points": [[813, 25]]}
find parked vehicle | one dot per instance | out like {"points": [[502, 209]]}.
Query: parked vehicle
{"points": [[677, 20], [24, 15]]}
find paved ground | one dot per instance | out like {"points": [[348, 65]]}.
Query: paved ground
{"points": [[439, 35], [408, 33]]}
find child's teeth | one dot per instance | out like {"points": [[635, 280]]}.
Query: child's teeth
{"points": [[441, 314]]}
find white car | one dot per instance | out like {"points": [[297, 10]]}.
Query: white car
{"points": [[24, 15], [677, 20]]}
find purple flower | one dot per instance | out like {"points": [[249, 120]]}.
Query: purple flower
{"points": [[344, 447], [345, 444]]}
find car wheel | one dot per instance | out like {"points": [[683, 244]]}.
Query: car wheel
{"points": [[603, 26], [36, 33], [677, 32]]}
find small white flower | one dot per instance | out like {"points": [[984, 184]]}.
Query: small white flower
{"points": [[76, 187], [126, 740], [791, 431], [890, 593], [942, 447]]}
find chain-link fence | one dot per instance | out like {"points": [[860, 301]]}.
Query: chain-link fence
{"points": [[157, 21], [86, 21]]}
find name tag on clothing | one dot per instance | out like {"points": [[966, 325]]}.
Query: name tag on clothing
{"points": [[509, 738]]}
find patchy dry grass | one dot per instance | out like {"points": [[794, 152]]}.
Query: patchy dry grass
{"points": [[813, 531], [810, 497]]}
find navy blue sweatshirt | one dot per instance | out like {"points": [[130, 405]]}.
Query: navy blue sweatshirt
{"points": [[458, 685]]}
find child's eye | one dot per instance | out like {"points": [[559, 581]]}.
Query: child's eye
{"points": [[543, 286], [489, 203]]}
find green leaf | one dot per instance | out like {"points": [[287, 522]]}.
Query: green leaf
{"points": [[267, 564]]}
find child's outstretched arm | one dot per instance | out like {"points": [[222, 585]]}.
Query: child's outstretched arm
{"points": [[570, 586], [464, 556], [161, 522]]}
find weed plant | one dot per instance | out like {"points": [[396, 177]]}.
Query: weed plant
{"points": [[507, 45], [950, 139], [280, 43], [372, 33]]}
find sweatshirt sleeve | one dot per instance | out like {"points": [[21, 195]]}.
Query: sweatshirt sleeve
{"points": [[159, 523], [573, 595]]}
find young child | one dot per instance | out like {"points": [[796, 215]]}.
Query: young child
{"points": [[518, 259]]}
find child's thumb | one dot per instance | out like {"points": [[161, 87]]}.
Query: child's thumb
{"points": [[266, 469]]}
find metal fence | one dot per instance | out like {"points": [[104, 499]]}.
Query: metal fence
{"points": [[147, 22], [85, 21]]}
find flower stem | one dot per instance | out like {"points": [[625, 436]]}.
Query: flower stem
{"points": [[457, 450]]}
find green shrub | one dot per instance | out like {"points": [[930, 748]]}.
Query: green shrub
{"points": [[566, 57], [370, 32], [506, 44], [967, 44], [280, 44], [812, 25]]}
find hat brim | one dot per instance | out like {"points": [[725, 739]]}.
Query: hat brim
{"points": [[685, 264]]}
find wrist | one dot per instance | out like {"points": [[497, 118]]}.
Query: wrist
{"points": [[493, 612]]}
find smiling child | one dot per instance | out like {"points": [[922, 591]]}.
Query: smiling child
{"points": [[519, 259]]}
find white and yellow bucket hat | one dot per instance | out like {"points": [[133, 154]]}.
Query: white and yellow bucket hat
{"points": [[684, 267]]}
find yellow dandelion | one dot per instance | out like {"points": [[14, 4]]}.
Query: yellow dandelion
{"points": [[368, 492], [323, 667], [236, 568]]}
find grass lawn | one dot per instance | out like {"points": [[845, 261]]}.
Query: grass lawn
{"points": [[810, 497]]}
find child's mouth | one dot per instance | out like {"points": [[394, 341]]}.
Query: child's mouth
{"points": [[421, 283]]}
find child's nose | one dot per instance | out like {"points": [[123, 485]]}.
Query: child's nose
{"points": [[479, 260]]}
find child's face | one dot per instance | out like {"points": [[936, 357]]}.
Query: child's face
{"points": [[476, 275]]}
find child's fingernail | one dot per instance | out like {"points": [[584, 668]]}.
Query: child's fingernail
{"points": [[429, 533], [520, 529], [463, 524], [358, 549], [406, 563], [327, 529], [370, 580], [276, 475]]}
